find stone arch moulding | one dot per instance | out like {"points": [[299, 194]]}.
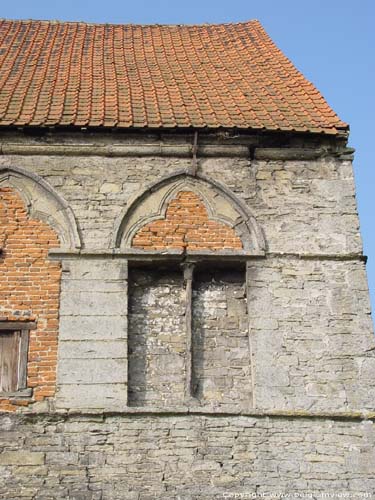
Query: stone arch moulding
{"points": [[222, 206], [43, 202]]}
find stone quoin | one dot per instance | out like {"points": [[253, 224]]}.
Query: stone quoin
{"points": [[184, 310]]}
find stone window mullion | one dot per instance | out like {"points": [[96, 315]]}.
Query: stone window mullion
{"points": [[188, 282]]}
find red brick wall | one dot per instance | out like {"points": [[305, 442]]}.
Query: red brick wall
{"points": [[186, 225], [29, 290]]}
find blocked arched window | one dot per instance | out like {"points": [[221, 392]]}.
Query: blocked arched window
{"points": [[187, 240]]}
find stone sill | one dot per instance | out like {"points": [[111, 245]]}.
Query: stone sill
{"points": [[21, 394]]}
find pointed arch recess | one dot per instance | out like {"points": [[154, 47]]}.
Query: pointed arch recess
{"points": [[222, 206], [43, 202]]}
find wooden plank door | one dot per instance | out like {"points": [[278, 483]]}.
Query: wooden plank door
{"points": [[9, 360]]}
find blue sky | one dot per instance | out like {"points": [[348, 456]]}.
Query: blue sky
{"points": [[331, 41]]}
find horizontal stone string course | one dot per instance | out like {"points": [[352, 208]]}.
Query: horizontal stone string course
{"points": [[344, 416], [165, 150], [139, 254], [123, 150]]}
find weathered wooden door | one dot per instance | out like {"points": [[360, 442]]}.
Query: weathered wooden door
{"points": [[9, 360]]}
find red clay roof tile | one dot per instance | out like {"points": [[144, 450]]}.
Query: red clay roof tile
{"points": [[86, 75]]}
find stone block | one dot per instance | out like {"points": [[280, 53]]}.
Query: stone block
{"points": [[94, 396], [61, 458], [91, 349], [91, 268], [93, 285], [20, 457], [92, 371], [92, 327], [91, 303], [110, 187]]}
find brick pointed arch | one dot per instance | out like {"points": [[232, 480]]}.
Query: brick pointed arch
{"points": [[186, 225], [43, 202], [222, 207]]}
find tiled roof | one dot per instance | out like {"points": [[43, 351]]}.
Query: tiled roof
{"points": [[101, 75]]}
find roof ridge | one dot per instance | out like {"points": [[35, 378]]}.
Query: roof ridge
{"points": [[140, 25]]}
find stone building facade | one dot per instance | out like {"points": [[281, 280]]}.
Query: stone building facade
{"points": [[184, 310]]}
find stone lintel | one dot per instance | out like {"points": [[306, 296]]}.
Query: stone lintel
{"points": [[195, 256]]}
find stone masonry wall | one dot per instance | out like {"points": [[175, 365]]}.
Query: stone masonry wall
{"points": [[311, 349], [29, 291], [156, 338], [309, 331], [187, 457], [221, 358], [303, 206], [294, 411]]}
